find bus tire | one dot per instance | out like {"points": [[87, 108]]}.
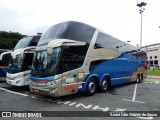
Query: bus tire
{"points": [[141, 78], [91, 87], [138, 79], [105, 85]]}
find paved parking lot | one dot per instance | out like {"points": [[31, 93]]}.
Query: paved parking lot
{"points": [[130, 97]]}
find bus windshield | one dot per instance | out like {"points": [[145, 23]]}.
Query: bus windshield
{"points": [[45, 64], [24, 42], [15, 65]]}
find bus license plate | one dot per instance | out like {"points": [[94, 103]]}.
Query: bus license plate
{"points": [[36, 91]]}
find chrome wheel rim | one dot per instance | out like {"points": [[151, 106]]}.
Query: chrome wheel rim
{"points": [[104, 85], [137, 79], [91, 87]]}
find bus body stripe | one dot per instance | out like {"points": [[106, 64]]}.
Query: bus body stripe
{"points": [[51, 78]]}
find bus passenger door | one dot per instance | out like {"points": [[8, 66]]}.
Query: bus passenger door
{"points": [[27, 64], [69, 82]]}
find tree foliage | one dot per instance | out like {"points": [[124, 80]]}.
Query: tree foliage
{"points": [[8, 40]]}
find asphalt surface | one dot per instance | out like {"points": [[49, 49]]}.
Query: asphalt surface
{"points": [[129, 97]]}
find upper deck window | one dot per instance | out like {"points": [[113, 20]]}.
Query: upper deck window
{"points": [[109, 42], [68, 30], [27, 41], [23, 42]]}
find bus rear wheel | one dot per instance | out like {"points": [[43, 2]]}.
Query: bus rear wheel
{"points": [[139, 79], [105, 85], [91, 87]]}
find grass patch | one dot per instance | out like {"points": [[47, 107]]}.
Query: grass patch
{"points": [[155, 72]]}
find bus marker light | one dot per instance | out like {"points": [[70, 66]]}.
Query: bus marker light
{"points": [[80, 75]]}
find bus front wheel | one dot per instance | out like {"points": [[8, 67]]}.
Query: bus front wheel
{"points": [[91, 87]]}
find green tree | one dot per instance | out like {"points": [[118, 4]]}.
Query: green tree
{"points": [[8, 40]]}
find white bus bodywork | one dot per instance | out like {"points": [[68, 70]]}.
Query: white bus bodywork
{"points": [[20, 78]]}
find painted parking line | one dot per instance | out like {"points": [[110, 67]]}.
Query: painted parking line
{"points": [[134, 96], [9, 91], [86, 106], [79, 104], [134, 100]]}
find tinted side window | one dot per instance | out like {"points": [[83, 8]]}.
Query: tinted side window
{"points": [[109, 42], [106, 41], [5, 60], [140, 54]]}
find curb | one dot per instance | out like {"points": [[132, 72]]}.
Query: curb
{"points": [[151, 82], [153, 77]]}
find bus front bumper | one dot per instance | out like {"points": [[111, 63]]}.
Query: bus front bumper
{"points": [[44, 89], [16, 82]]}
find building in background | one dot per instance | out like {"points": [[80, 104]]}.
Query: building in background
{"points": [[153, 55]]}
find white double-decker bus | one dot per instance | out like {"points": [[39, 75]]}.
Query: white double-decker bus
{"points": [[21, 61], [74, 57]]}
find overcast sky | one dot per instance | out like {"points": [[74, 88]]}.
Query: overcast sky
{"points": [[119, 18]]}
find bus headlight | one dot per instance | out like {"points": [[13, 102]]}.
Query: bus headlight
{"points": [[51, 83], [18, 76]]}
